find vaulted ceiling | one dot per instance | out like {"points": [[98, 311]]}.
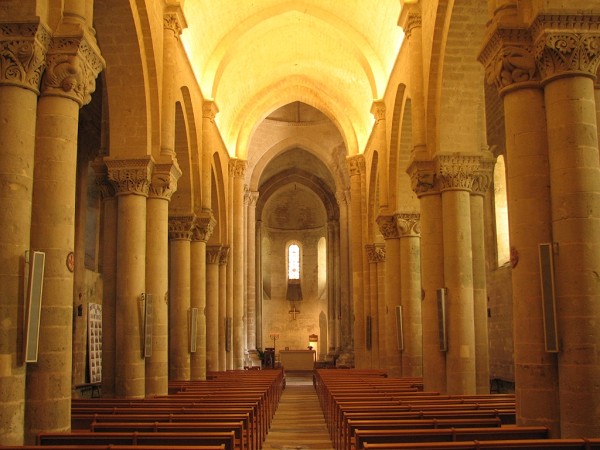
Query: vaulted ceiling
{"points": [[253, 56]]}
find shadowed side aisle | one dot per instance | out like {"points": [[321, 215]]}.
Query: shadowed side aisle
{"points": [[298, 423]]}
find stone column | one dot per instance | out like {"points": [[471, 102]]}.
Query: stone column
{"points": [[73, 63], [333, 288], [346, 313], [455, 172], [392, 357], [568, 57], [251, 199], [259, 284], [213, 256], [409, 228], [225, 355], [510, 65], [375, 256], [164, 183], [426, 187], [481, 184], [356, 167], [205, 223], [180, 235], [19, 87], [109, 279], [237, 170]]}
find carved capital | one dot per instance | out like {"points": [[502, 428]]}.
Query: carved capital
{"points": [[378, 110], [73, 64], [164, 181], [174, 20], [387, 226], [237, 168], [213, 254], [356, 165], [130, 176], [343, 197], [205, 225], [567, 45], [422, 176], [408, 224], [413, 20], [484, 175], [375, 253], [23, 47], [107, 190], [209, 110], [224, 254], [181, 227], [455, 171], [250, 198]]}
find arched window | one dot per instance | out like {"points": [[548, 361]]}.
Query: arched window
{"points": [[501, 210], [294, 289]]}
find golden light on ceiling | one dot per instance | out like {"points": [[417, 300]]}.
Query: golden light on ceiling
{"points": [[252, 57]]}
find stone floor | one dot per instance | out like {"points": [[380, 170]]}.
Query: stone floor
{"points": [[298, 423]]}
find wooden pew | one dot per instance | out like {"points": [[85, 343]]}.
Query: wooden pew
{"points": [[82, 438], [540, 444], [380, 435], [113, 447]]}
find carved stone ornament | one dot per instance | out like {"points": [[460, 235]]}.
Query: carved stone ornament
{"points": [[409, 224], [173, 20], [224, 254], [484, 175], [73, 64], [23, 47], [213, 254], [375, 253], [250, 197], [422, 176], [209, 110], [387, 226], [455, 171], [378, 110], [181, 227], [237, 168], [343, 197], [563, 52], [164, 181], [356, 165], [205, 225], [413, 20], [130, 176]]}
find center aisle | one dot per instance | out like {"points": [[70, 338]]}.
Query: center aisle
{"points": [[298, 423]]}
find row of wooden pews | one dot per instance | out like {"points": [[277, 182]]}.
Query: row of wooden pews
{"points": [[364, 409], [230, 410]]}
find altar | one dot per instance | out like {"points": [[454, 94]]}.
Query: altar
{"points": [[297, 359]]}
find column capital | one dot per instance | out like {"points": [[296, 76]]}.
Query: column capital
{"points": [[250, 197], [356, 165], [387, 226], [566, 45], [130, 176], [410, 18], [456, 170], [237, 167], [509, 59], [375, 253], [23, 48], [378, 110], [343, 197], [73, 64], [181, 227], [422, 176], [224, 255], [204, 226], [107, 189], [164, 181], [213, 254], [209, 110], [484, 175], [174, 20], [409, 224]]}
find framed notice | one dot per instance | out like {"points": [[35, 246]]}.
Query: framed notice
{"points": [[95, 342]]}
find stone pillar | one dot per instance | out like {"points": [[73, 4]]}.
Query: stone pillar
{"points": [[511, 67], [251, 199], [409, 229], [481, 184], [568, 57], [19, 87], [213, 255], [131, 179], [375, 334], [356, 167], [180, 234], [205, 223], [333, 288], [164, 183], [392, 358], [109, 279], [73, 63], [226, 276], [426, 187], [225, 351], [237, 171], [455, 172], [259, 284], [346, 313]]}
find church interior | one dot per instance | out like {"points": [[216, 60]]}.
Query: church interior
{"points": [[196, 187]]}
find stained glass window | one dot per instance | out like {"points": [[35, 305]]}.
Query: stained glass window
{"points": [[293, 262]]}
